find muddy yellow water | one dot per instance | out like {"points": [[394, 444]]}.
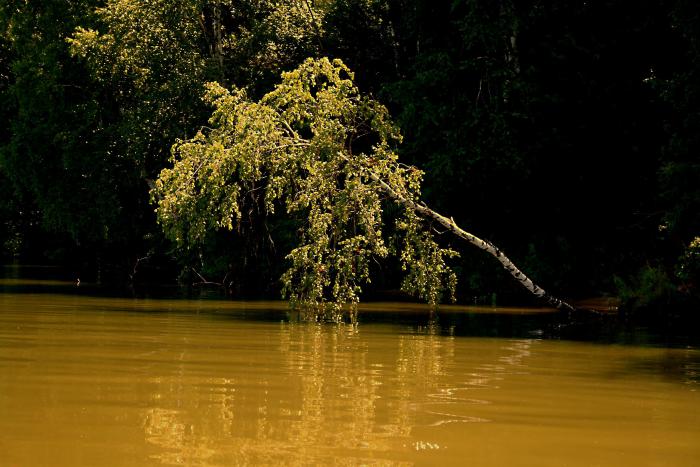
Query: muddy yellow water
{"points": [[98, 381]]}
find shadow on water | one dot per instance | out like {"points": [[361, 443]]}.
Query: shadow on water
{"points": [[448, 320], [672, 366], [32, 279]]}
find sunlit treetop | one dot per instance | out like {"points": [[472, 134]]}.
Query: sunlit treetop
{"points": [[318, 149]]}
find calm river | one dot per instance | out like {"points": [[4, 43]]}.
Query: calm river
{"points": [[88, 380]]}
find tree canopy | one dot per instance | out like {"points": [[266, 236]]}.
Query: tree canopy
{"points": [[315, 147], [567, 132]]}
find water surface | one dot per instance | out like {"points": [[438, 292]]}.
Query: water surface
{"points": [[88, 380]]}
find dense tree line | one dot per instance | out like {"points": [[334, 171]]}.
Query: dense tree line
{"points": [[566, 131]]}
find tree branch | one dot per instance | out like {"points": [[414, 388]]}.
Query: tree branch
{"points": [[485, 245]]}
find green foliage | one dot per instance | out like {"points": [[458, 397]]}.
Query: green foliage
{"points": [[688, 268], [152, 58], [465, 65], [315, 147], [148, 61], [48, 154], [10, 236], [6, 106], [270, 36], [565, 131], [650, 286], [365, 34], [93, 94], [423, 260], [680, 165]]}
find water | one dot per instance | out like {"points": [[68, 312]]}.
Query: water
{"points": [[88, 380]]}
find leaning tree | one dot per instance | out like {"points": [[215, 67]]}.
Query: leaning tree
{"points": [[319, 149]]}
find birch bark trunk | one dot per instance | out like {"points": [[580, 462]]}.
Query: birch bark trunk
{"points": [[485, 245]]}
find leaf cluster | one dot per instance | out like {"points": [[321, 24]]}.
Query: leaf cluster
{"points": [[315, 147]]}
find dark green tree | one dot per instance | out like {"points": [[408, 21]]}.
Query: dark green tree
{"points": [[48, 155], [680, 163]]}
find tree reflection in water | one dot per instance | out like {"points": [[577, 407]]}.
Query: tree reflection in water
{"points": [[97, 381], [317, 393]]}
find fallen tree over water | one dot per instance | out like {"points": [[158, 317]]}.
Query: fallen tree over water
{"points": [[322, 151]]}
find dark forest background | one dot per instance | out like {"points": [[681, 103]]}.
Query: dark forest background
{"points": [[567, 132]]}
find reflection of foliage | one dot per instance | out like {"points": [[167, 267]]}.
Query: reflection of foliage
{"points": [[316, 391], [164, 428], [310, 394]]}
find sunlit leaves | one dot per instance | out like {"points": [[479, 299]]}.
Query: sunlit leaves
{"points": [[313, 146], [148, 57], [423, 260]]}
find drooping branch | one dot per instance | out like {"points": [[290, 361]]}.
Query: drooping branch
{"points": [[297, 138], [485, 245]]}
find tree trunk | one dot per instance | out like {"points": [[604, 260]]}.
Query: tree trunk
{"points": [[218, 45], [485, 245]]}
